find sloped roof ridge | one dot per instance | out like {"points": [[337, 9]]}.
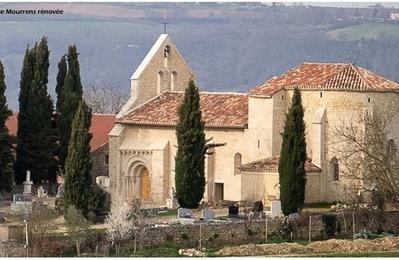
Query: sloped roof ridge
{"points": [[148, 57], [356, 68], [346, 66]]}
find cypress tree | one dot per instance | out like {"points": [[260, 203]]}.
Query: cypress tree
{"points": [[62, 71], [22, 155], [191, 149], [78, 163], [37, 137], [291, 167], [71, 94], [6, 158]]}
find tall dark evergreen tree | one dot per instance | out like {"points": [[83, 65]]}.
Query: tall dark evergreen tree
{"points": [[37, 139], [191, 149], [62, 71], [6, 158], [78, 184], [291, 167], [71, 94]]}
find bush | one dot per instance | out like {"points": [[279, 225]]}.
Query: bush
{"points": [[215, 235], [365, 234], [330, 224], [184, 236], [169, 238]]}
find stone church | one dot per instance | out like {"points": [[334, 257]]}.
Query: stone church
{"points": [[143, 142]]}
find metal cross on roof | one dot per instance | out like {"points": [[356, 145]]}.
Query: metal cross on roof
{"points": [[164, 25]]}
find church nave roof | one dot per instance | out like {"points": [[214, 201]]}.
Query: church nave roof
{"points": [[326, 76], [219, 110], [271, 164]]}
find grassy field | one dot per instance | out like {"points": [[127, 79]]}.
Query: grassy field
{"points": [[366, 31]]}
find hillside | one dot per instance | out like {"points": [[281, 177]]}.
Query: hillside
{"points": [[230, 46]]}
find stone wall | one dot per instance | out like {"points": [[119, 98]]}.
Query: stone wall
{"points": [[100, 164]]}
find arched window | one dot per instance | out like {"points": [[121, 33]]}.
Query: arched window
{"points": [[173, 80], [237, 163], [166, 54], [391, 150], [159, 82], [334, 168]]}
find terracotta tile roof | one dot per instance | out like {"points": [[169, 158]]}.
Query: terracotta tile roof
{"points": [[271, 164], [101, 125], [221, 110], [326, 76], [12, 124]]}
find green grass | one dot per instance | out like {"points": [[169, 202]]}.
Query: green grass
{"points": [[369, 30]]}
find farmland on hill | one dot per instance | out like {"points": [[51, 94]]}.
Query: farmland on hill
{"points": [[229, 46]]}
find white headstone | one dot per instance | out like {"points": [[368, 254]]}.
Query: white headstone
{"points": [[41, 192], [275, 208], [28, 184], [208, 214]]}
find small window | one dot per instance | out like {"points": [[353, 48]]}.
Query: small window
{"points": [[106, 159], [321, 94], [237, 163], [258, 144], [335, 168], [173, 80], [368, 100], [282, 97], [159, 82]]}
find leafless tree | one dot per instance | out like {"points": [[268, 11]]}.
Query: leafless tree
{"points": [[120, 226], [41, 222], [142, 221], [366, 154], [105, 99]]}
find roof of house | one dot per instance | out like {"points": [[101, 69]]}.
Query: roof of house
{"points": [[101, 125], [219, 110], [326, 76], [271, 164]]}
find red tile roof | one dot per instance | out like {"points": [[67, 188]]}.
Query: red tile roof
{"points": [[326, 76], [271, 164], [221, 110], [101, 125], [12, 124]]}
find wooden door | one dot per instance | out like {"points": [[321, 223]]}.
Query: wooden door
{"points": [[145, 185]]}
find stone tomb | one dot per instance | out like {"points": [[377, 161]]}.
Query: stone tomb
{"points": [[207, 214], [185, 216], [275, 208]]}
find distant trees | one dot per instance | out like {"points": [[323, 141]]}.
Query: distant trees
{"points": [[105, 99], [70, 96], [291, 168], [78, 182], [6, 158], [191, 149], [36, 136]]}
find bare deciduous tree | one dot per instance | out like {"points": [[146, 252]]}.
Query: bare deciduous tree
{"points": [[366, 152], [105, 99], [142, 221], [120, 226], [77, 226]]}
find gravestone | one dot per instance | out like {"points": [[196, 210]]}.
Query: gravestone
{"points": [[275, 208], [233, 211], [207, 214], [293, 216], [184, 213], [60, 191], [41, 192], [28, 184]]}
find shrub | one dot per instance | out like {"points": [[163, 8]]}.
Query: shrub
{"points": [[184, 236], [365, 234], [330, 224], [215, 235], [250, 232]]}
